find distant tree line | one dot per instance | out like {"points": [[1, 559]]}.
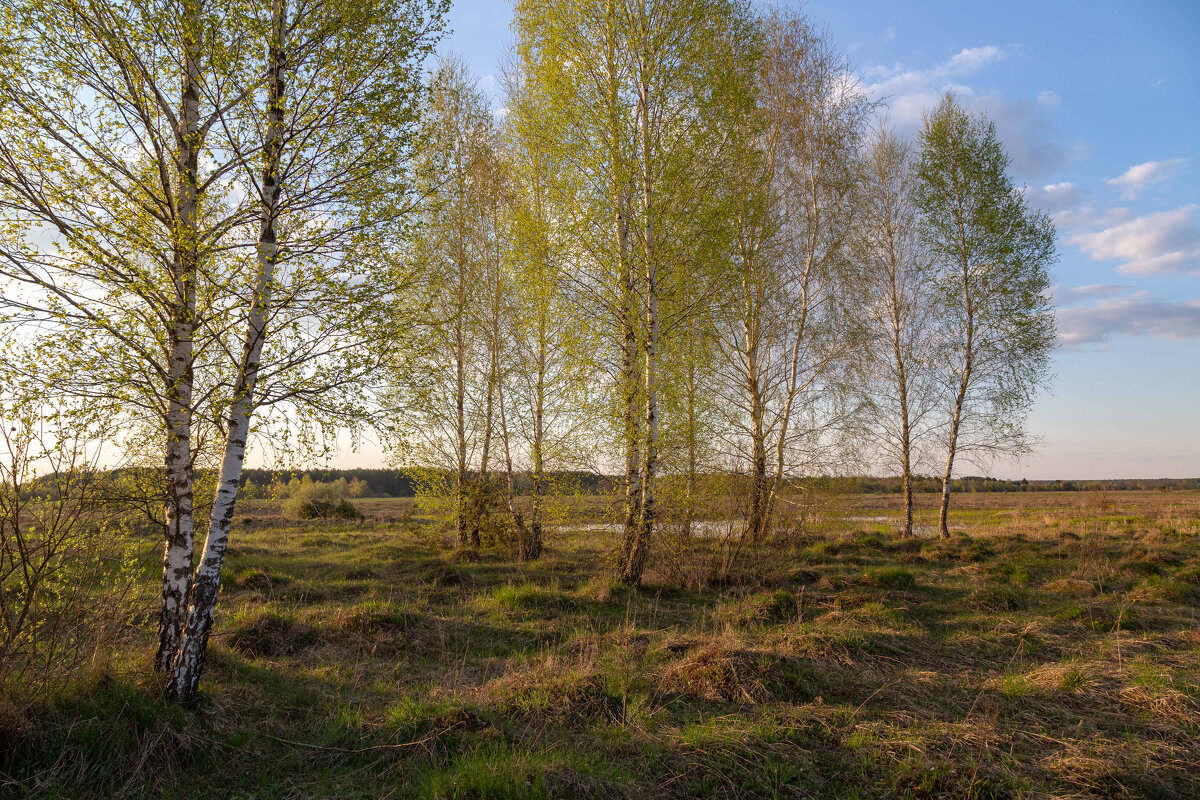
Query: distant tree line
{"points": [[974, 483], [386, 482], [395, 483]]}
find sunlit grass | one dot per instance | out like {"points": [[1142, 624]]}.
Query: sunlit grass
{"points": [[1043, 651]]}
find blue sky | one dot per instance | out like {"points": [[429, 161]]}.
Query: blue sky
{"points": [[1099, 105]]}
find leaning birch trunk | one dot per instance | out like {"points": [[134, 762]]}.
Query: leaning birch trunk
{"points": [[179, 545], [750, 353], [899, 303], [944, 516], [460, 471], [758, 523], [908, 487], [792, 390], [956, 420], [189, 663], [479, 499], [689, 493], [905, 423]]}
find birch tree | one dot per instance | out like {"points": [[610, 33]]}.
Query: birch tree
{"points": [[334, 143], [992, 253], [786, 341], [143, 253], [633, 86], [574, 77], [543, 384], [115, 224], [900, 310], [458, 248]]}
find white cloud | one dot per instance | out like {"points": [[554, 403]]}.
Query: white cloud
{"points": [[1049, 98], [1140, 176], [909, 92], [890, 34], [972, 59], [1085, 218], [1054, 198], [1162, 243], [1029, 135], [1073, 295], [1135, 315]]}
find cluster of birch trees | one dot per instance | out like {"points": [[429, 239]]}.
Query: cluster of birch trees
{"points": [[685, 249], [200, 203], [689, 247]]}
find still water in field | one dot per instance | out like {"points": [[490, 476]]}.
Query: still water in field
{"points": [[730, 528]]}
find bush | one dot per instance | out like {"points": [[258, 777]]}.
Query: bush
{"points": [[68, 564], [320, 501]]}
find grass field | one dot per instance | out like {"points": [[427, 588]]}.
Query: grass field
{"points": [[1049, 649]]}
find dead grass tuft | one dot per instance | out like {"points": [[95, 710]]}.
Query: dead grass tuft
{"points": [[550, 689], [266, 633], [1072, 587], [717, 672]]}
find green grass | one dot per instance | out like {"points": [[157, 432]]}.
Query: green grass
{"points": [[1011, 660]]}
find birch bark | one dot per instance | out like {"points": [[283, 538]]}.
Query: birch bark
{"points": [[178, 549], [189, 662]]}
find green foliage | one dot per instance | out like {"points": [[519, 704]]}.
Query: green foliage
{"points": [[311, 500], [70, 565], [991, 256]]}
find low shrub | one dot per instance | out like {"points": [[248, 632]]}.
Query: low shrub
{"points": [[321, 501]]}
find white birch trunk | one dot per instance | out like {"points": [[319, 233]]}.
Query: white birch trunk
{"points": [[632, 426], [524, 542], [533, 550], [641, 548], [178, 548], [956, 420], [965, 382], [189, 663]]}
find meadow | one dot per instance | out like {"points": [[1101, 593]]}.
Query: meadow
{"points": [[1049, 649]]}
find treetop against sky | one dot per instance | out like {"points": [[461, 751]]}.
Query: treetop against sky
{"points": [[1097, 103]]}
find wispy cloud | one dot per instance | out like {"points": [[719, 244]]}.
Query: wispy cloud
{"points": [[1054, 198], [1024, 124], [1074, 295], [890, 34], [1162, 243], [910, 91], [972, 59], [1135, 315], [1139, 176], [1049, 98]]}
